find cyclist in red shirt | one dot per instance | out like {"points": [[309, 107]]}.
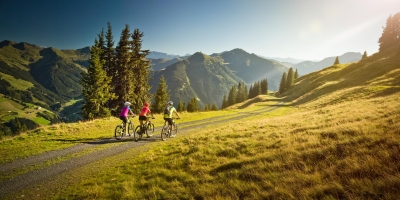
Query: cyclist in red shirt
{"points": [[143, 114]]}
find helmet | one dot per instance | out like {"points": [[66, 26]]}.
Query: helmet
{"points": [[127, 103], [146, 104], [170, 103]]}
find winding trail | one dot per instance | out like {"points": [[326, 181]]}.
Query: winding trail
{"points": [[37, 176]]}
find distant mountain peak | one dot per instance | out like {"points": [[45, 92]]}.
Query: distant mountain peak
{"points": [[198, 57], [7, 43]]}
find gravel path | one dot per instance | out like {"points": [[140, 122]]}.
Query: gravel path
{"points": [[34, 177]]}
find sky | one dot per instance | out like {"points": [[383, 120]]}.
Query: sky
{"points": [[301, 29]]}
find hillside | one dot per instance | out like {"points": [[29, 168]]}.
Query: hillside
{"points": [[375, 76], [251, 67], [33, 77], [200, 76], [306, 67]]}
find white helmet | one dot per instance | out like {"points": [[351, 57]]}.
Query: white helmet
{"points": [[127, 103], [170, 103]]}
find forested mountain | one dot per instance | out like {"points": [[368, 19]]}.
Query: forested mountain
{"points": [[251, 67], [54, 73], [161, 63], [310, 66], [204, 77]]}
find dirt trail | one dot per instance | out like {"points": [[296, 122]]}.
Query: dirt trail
{"points": [[31, 178]]}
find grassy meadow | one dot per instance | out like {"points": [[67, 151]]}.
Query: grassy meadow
{"points": [[336, 137]]}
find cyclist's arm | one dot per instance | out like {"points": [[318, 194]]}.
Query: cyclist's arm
{"points": [[177, 113], [133, 114]]}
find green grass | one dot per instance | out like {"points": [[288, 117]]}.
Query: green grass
{"points": [[18, 84], [41, 121], [336, 137]]}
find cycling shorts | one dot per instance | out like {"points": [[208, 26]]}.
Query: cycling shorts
{"points": [[142, 118], [124, 119], [169, 120]]}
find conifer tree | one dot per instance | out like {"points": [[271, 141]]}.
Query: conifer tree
{"points": [[232, 96], [289, 79], [206, 108], [250, 94], [391, 33], [161, 97], [180, 106], [239, 95], [213, 107], [224, 102], [96, 88], [192, 105], [264, 86], [282, 85], [246, 93], [336, 61], [124, 86], [184, 106], [141, 70], [257, 89], [109, 55], [296, 75], [364, 55]]}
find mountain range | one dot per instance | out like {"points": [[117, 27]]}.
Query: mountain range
{"points": [[53, 75]]}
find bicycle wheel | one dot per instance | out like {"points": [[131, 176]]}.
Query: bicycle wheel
{"points": [[175, 131], [164, 132], [131, 128], [150, 130], [119, 132], [137, 134]]}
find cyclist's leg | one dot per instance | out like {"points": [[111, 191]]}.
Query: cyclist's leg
{"points": [[125, 121]]}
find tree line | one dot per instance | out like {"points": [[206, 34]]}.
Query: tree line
{"points": [[115, 75], [287, 80]]}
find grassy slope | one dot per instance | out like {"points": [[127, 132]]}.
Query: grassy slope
{"points": [[10, 109], [340, 140]]}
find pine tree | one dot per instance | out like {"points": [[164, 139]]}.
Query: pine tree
{"points": [[109, 55], [213, 107], [246, 93], [161, 97], [289, 79], [96, 88], [296, 75], [141, 70], [250, 94], [232, 96], [391, 33], [282, 85], [206, 108], [364, 55], [192, 105], [124, 86], [264, 86], [180, 106], [336, 61], [224, 102], [239, 95]]}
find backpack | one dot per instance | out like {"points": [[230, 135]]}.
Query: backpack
{"points": [[167, 110]]}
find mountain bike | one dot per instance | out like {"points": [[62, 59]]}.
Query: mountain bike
{"points": [[165, 131], [120, 130], [147, 129]]}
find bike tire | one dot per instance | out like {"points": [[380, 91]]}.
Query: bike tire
{"points": [[119, 132], [131, 129], [137, 133], [175, 131], [164, 132], [150, 130]]}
